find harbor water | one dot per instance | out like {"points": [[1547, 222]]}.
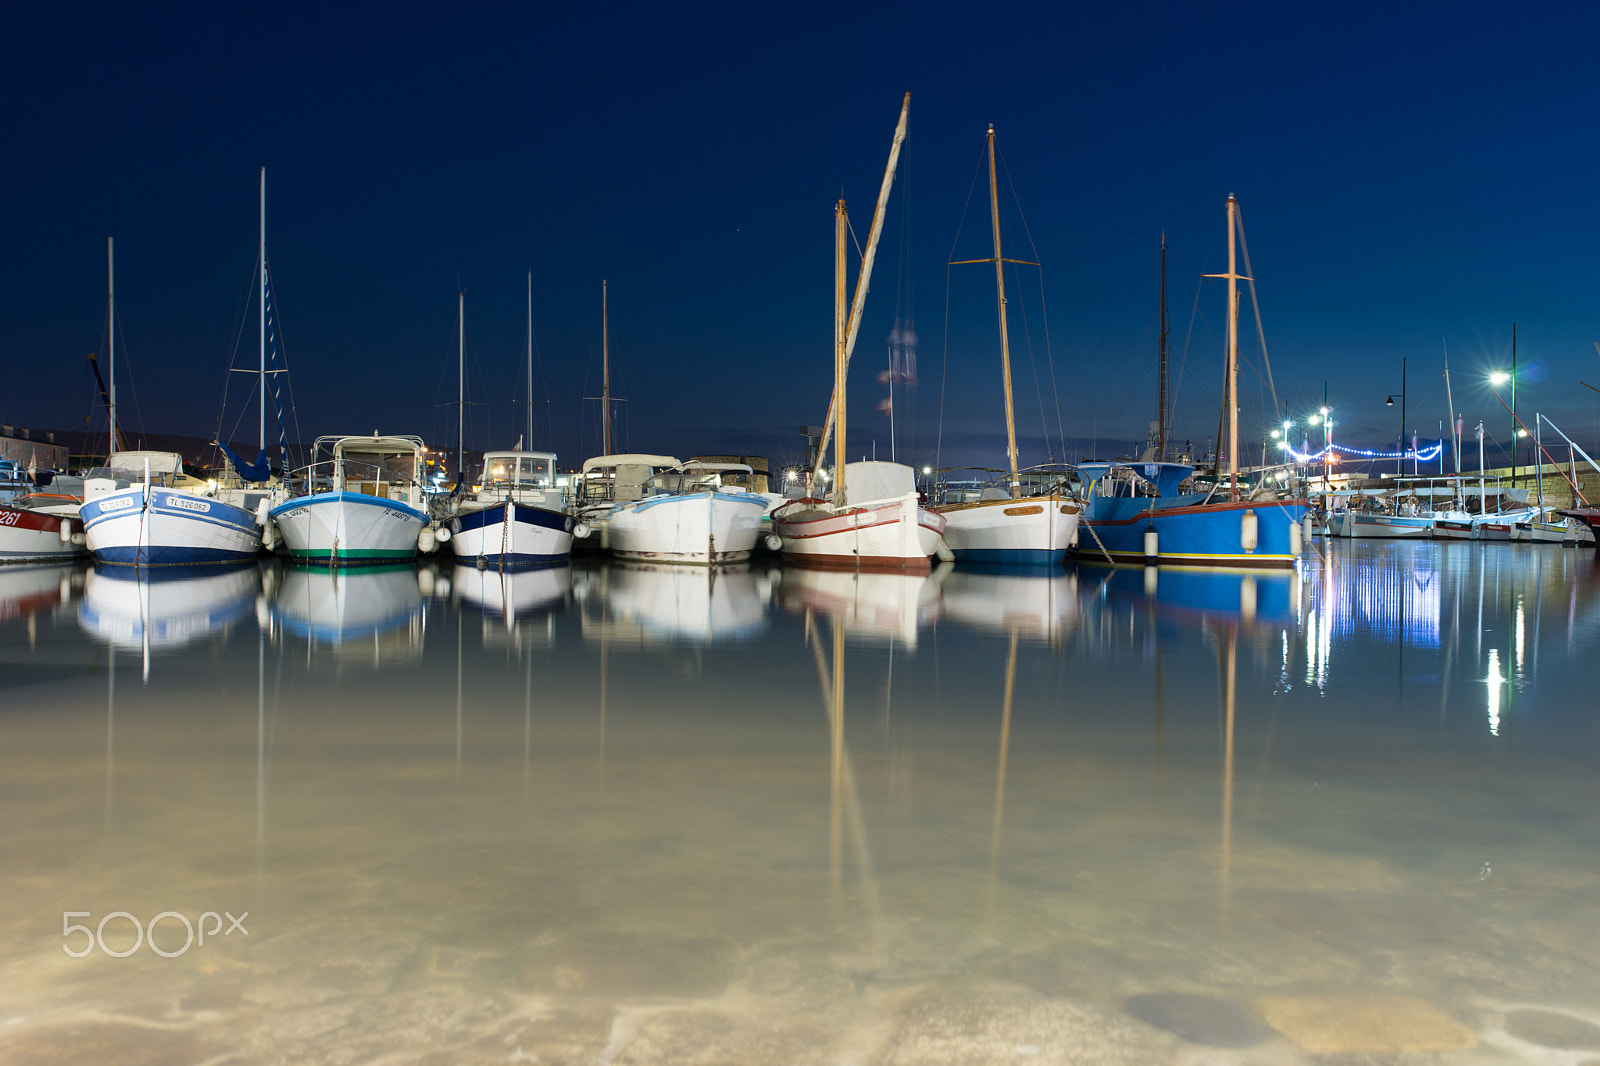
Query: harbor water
{"points": [[628, 814]]}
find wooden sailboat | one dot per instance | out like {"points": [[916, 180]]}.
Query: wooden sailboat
{"points": [[1032, 519], [1169, 527], [871, 518]]}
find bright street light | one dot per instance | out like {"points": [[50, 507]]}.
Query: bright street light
{"points": [[1499, 377], [1288, 424]]}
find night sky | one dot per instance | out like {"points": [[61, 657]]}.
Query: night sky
{"points": [[1413, 178]]}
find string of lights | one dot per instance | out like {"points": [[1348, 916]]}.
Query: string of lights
{"points": [[1422, 455]]}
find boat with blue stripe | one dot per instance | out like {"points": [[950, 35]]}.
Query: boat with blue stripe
{"points": [[165, 519]]}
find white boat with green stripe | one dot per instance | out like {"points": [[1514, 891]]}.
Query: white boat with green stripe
{"points": [[372, 508]]}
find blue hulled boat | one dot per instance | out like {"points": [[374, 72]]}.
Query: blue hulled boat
{"points": [[1190, 528]]}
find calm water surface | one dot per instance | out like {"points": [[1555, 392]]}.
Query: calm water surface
{"points": [[615, 814]]}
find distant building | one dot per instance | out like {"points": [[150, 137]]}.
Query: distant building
{"points": [[27, 448]]}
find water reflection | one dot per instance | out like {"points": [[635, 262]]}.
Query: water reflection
{"points": [[658, 604], [1039, 605], [160, 610], [955, 814], [869, 605], [360, 612]]}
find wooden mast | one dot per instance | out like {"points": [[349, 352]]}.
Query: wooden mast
{"points": [[262, 450], [605, 371], [1233, 355], [461, 389], [1005, 340], [864, 278], [529, 445], [1230, 385], [841, 224], [111, 338], [1161, 406]]}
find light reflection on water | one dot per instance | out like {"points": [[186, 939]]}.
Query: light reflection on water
{"points": [[631, 813]]}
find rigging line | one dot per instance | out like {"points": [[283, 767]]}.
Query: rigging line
{"points": [[1038, 390], [1061, 435], [233, 356], [944, 370], [1256, 305], [1183, 362]]}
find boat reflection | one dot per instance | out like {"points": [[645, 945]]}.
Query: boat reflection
{"points": [[1034, 604], [25, 590], [1214, 594], [166, 608], [511, 602], [655, 604], [873, 605], [376, 610]]}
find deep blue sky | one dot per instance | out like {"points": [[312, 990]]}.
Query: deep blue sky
{"points": [[1411, 176]]}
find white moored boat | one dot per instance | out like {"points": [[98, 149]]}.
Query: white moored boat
{"points": [[166, 518], [373, 510], [517, 518], [887, 530], [871, 519], [1001, 526], [688, 516], [41, 527]]}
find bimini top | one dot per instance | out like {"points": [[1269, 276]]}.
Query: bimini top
{"points": [[628, 459], [513, 454], [160, 462], [1166, 477], [375, 443]]}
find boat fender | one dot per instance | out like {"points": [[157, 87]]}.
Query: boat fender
{"points": [[1296, 539], [269, 536], [1248, 531], [581, 531], [1073, 542], [442, 534], [1152, 544], [1305, 527], [774, 542], [427, 543], [262, 518], [64, 529], [942, 550], [79, 539]]}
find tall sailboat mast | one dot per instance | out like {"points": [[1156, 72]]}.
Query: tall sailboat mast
{"points": [[1005, 340], [262, 450], [841, 224], [461, 389], [1230, 385], [863, 281], [605, 370], [529, 445], [1233, 354], [111, 336], [1161, 405]]}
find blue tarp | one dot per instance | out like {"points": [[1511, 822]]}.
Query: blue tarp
{"points": [[256, 471]]}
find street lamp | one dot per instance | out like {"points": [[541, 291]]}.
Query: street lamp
{"points": [[1400, 462]]}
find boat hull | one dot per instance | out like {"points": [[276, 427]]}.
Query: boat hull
{"points": [[346, 528], [511, 534], [34, 537], [1028, 532], [699, 528], [1379, 526], [886, 535], [142, 526], [1198, 535]]}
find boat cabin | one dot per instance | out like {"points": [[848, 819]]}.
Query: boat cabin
{"points": [[389, 468], [608, 479], [524, 477]]}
